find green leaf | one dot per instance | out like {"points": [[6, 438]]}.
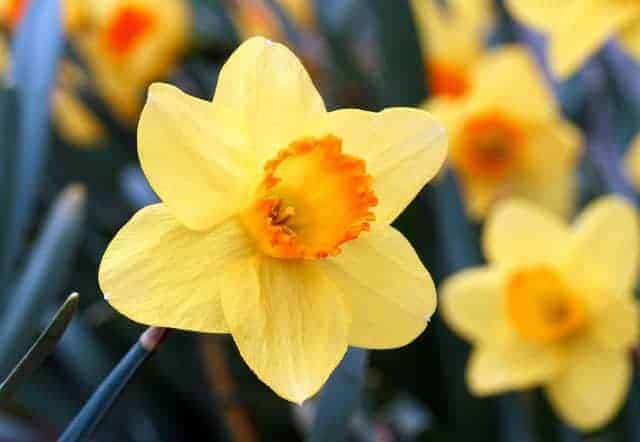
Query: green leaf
{"points": [[402, 76], [39, 351], [339, 398], [46, 268], [36, 49]]}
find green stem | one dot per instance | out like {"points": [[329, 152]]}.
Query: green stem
{"points": [[109, 391]]}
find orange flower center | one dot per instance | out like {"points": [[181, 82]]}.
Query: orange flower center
{"points": [[446, 79], [541, 307], [312, 199], [490, 146], [127, 29], [15, 11]]}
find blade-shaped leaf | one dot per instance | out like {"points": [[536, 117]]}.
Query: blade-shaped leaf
{"points": [[41, 348], [36, 49]]}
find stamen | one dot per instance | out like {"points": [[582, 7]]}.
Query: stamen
{"points": [[313, 199]]}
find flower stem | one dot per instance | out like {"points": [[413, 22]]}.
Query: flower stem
{"points": [[105, 396]]}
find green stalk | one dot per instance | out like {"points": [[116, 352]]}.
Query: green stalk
{"points": [[102, 400]]}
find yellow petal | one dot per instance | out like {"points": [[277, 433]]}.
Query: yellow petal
{"points": [[403, 148], [157, 272], [617, 325], [289, 322], [390, 293], [269, 88], [192, 155], [509, 76], [632, 162], [557, 194], [520, 233], [536, 13], [512, 365], [472, 303], [604, 248], [630, 38], [582, 30], [593, 388]]}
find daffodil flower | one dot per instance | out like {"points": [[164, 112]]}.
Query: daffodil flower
{"points": [[452, 40], [554, 307], [508, 137], [274, 224], [130, 43], [576, 29]]}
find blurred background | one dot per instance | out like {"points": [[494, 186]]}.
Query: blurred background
{"points": [[70, 178]]}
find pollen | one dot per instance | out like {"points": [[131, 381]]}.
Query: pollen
{"points": [[127, 29], [491, 146], [542, 307], [447, 80], [312, 199]]}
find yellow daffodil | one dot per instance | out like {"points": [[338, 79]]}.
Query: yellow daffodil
{"points": [[130, 43], [258, 18], [508, 136], [300, 11], [554, 307], [74, 121], [452, 39], [73, 13], [633, 163], [578, 28], [274, 224]]}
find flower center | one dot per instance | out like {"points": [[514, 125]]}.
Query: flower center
{"points": [[446, 79], [312, 199], [127, 28], [15, 11], [490, 146], [541, 307]]}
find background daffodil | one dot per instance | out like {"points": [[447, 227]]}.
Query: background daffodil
{"points": [[577, 29], [632, 162], [130, 43], [508, 136], [553, 307], [274, 224], [452, 39]]}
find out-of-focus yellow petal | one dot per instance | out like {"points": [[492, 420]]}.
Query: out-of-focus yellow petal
{"points": [[604, 248], [557, 193], [454, 33], [390, 292], [538, 13], [472, 303], [268, 87], [520, 233], [495, 85], [630, 38], [289, 321], [512, 365], [583, 28], [559, 137], [593, 388], [403, 148], [157, 272], [617, 325], [632, 162], [193, 156], [74, 121]]}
